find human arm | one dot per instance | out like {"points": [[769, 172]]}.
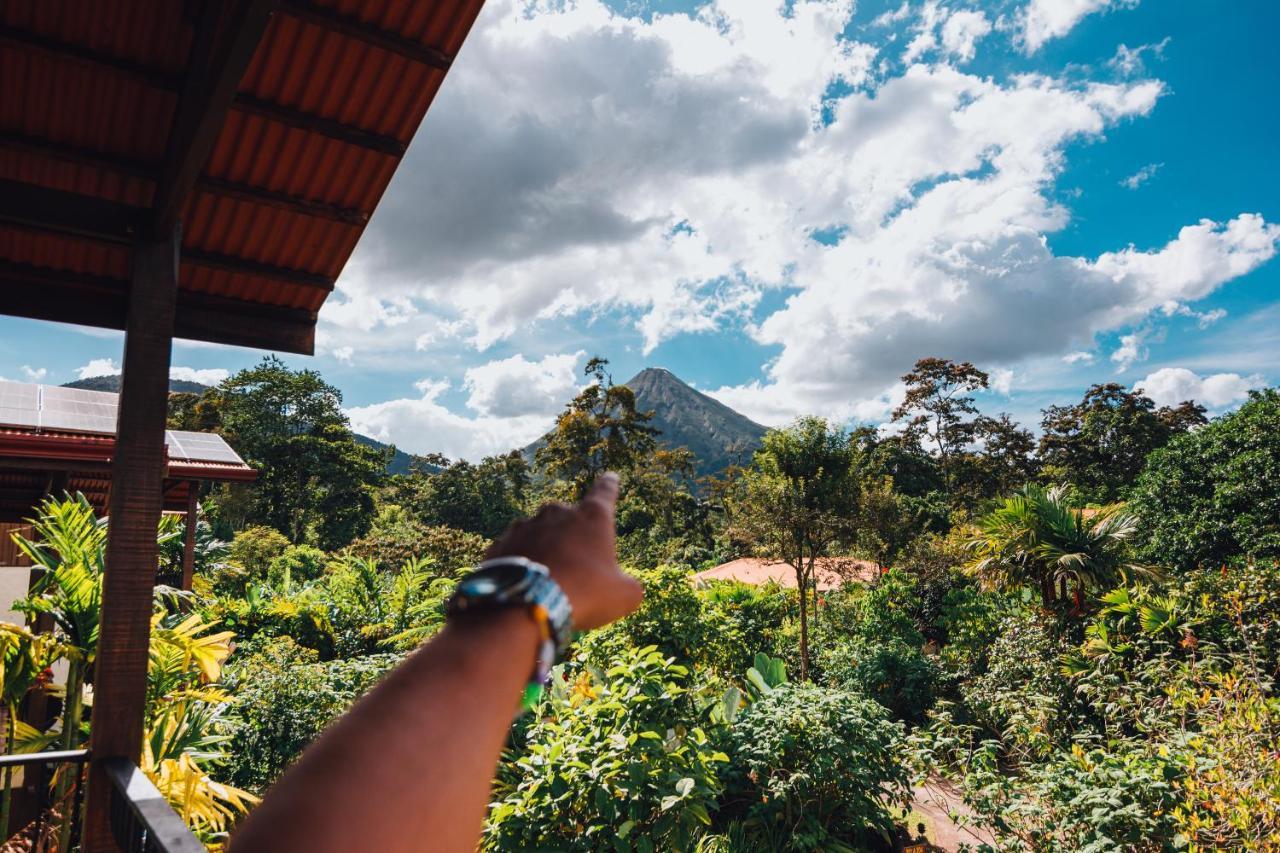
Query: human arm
{"points": [[410, 766]]}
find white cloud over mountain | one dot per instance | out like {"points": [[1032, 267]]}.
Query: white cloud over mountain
{"points": [[676, 170]]}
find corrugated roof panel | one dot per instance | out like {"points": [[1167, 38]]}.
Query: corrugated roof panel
{"points": [[124, 105]]}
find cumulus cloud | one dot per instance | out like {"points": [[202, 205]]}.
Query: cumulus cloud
{"points": [[515, 387], [1043, 20], [425, 425], [672, 170], [514, 400], [98, 367], [34, 374], [205, 376], [1131, 350], [1078, 357], [1169, 386]]}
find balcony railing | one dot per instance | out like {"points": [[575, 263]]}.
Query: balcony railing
{"points": [[142, 821]]}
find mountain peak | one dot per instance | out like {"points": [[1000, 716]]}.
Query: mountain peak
{"points": [[717, 435]]}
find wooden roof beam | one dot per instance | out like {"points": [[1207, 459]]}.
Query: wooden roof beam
{"points": [[47, 294], [220, 55], [44, 209], [351, 27], [248, 104], [216, 186]]}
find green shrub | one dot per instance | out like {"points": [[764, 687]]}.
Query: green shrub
{"points": [[813, 766], [749, 620], [449, 550], [1214, 493], [617, 763], [284, 699], [254, 548], [899, 677], [671, 618], [296, 565]]}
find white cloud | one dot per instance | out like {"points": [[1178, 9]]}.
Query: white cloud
{"points": [[205, 376], [1131, 350], [34, 374], [1043, 20], [1078, 357], [1128, 61], [514, 387], [1169, 386], [98, 367], [425, 425], [344, 354], [1141, 176], [1207, 318], [672, 171], [1002, 380]]}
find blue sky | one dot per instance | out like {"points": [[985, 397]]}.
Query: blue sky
{"points": [[788, 205]]}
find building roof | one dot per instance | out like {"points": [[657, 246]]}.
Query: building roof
{"points": [[64, 436], [270, 128], [829, 572]]}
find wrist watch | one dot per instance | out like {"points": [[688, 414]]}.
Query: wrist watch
{"points": [[505, 582]]}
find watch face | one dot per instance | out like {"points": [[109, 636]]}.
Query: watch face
{"points": [[492, 580]]}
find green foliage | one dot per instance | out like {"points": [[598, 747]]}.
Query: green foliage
{"points": [[315, 481], [1101, 444], [813, 767], [480, 498], [600, 430], [284, 699], [1214, 494], [896, 675], [793, 503], [671, 618], [748, 620], [253, 549], [297, 564], [397, 540], [1041, 538], [618, 762]]}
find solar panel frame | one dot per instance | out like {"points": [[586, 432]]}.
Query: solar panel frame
{"points": [[77, 410], [200, 447], [19, 404]]}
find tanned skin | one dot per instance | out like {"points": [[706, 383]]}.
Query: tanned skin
{"points": [[410, 766]]}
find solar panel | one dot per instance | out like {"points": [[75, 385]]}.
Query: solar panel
{"points": [[19, 404], [200, 447], [75, 410]]}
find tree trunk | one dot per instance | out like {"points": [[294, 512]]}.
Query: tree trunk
{"points": [[801, 584], [6, 799], [1046, 592]]}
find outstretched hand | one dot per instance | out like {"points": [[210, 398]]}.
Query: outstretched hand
{"points": [[577, 543]]}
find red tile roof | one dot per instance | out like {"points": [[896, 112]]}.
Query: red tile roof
{"points": [[829, 572]]}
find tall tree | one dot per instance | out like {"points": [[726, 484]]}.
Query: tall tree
{"points": [[315, 481], [1101, 444], [1214, 494], [600, 430], [1007, 459], [795, 503], [938, 411], [482, 497]]}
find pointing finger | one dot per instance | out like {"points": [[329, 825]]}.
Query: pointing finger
{"points": [[603, 492]]}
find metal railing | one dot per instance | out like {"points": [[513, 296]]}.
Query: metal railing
{"points": [[142, 821], [46, 830]]}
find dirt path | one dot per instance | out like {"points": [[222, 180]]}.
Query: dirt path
{"points": [[934, 803]]}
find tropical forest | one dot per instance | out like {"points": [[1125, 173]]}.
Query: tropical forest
{"points": [[980, 634]]}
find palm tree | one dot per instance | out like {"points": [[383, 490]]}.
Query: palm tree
{"points": [[1039, 538]]}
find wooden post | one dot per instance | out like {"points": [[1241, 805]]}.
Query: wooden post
{"points": [[137, 478], [189, 540]]}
